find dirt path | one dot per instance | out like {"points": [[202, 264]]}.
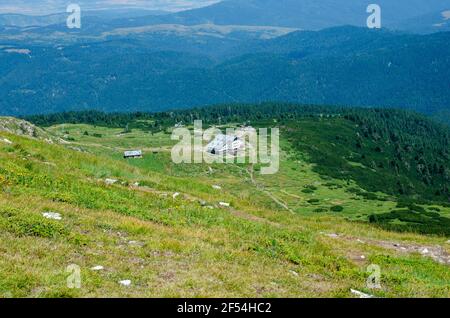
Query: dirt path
{"points": [[268, 193], [292, 195], [191, 198]]}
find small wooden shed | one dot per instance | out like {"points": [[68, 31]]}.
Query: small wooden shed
{"points": [[132, 154]]}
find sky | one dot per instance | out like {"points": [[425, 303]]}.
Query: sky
{"points": [[37, 7]]}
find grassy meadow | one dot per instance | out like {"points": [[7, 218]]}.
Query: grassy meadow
{"points": [[293, 234]]}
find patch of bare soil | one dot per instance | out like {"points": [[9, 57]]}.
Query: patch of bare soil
{"points": [[436, 252]]}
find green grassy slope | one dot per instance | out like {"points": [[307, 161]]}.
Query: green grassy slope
{"points": [[189, 245]]}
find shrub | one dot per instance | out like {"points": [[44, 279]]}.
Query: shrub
{"points": [[410, 206], [337, 208], [412, 221], [24, 223]]}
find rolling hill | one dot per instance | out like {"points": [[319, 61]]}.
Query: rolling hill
{"points": [[303, 232], [397, 152]]}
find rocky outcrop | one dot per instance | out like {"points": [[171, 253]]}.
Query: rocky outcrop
{"points": [[21, 127]]}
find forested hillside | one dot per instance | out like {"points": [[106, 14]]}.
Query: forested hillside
{"points": [[341, 66], [392, 151]]}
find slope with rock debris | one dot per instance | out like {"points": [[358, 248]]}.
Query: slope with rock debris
{"points": [[134, 239]]}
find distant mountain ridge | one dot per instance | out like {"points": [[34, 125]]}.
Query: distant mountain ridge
{"points": [[438, 21], [25, 21], [339, 66], [300, 14], [304, 14]]}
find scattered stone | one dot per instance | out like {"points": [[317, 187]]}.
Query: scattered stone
{"points": [[360, 241], [6, 141], [76, 149], [202, 203], [448, 242], [126, 282], [136, 243], [363, 257], [225, 204], [333, 235], [294, 273], [217, 187], [175, 195], [97, 268], [136, 184], [110, 181], [425, 251], [52, 215], [360, 294]]}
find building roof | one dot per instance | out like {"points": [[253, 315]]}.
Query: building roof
{"points": [[224, 143], [133, 153]]}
